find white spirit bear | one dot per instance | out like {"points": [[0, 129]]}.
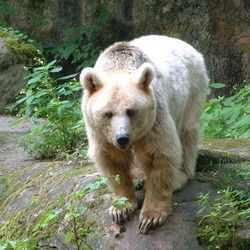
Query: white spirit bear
{"points": [[141, 106]]}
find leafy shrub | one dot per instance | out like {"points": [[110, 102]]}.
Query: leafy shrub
{"points": [[53, 110], [227, 214], [70, 215], [227, 117], [53, 107], [76, 49]]}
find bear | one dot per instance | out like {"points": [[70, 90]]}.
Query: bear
{"points": [[141, 106]]}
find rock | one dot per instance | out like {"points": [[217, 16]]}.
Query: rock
{"points": [[217, 151], [11, 76], [219, 31], [244, 236], [14, 55], [29, 188]]}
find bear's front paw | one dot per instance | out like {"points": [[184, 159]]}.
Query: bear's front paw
{"points": [[119, 216], [150, 220]]}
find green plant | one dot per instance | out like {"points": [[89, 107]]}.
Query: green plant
{"points": [[227, 117], [6, 10], [27, 244], [53, 110], [122, 203], [69, 217], [138, 184], [223, 217], [13, 34], [76, 48]]}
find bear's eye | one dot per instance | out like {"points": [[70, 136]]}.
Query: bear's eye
{"points": [[130, 112], [108, 114]]}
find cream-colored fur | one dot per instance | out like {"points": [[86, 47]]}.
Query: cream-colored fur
{"points": [[141, 106]]}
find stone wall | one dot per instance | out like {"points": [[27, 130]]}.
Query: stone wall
{"points": [[218, 29]]}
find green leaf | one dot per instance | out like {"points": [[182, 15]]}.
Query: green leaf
{"points": [[55, 70], [51, 64], [201, 210], [31, 243], [21, 100], [212, 238], [68, 77], [82, 209], [86, 247], [33, 80], [61, 200], [29, 99], [18, 121], [118, 179], [71, 207], [119, 204], [217, 85], [69, 236]]}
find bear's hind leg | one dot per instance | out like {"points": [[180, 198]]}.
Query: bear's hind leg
{"points": [[189, 141], [190, 133]]}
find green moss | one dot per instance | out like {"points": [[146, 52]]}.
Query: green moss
{"points": [[81, 171], [201, 179], [13, 187], [13, 228], [3, 34], [41, 178], [21, 223], [36, 199], [23, 51]]}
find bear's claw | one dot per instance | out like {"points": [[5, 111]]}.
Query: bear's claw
{"points": [[151, 221], [119, 216]]}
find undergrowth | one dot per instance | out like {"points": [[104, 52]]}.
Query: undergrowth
{"points": [[224, 218], [227, 117], [54, 111], [68, 222]]}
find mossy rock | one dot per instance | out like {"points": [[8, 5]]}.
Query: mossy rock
{"points": [[24, 52], [14, 56], [222, 151]]}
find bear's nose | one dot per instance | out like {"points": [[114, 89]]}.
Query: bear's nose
{"points": [[122, 140]]}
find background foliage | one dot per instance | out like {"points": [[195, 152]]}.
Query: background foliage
{"points": [[227, 117], [54, 111]]}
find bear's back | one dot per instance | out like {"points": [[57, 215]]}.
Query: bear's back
{"points": [[166, 51]]}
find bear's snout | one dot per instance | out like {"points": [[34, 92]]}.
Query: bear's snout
{"points": [[122, 140]]}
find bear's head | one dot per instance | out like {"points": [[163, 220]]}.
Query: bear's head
{"points": [[119, 107]]}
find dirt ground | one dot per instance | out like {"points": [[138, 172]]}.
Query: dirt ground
{"points": [[11, 154]]}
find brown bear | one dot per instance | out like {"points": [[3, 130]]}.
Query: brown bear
{"points": [[141, 105]]}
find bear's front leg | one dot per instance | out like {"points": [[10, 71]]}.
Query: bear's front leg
{"points": [[161, 178], [114, 164]]}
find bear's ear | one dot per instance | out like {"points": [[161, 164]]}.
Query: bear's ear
{"points": [[90, 80], [146, 74]]}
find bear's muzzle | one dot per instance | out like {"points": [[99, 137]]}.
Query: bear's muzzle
{"points": [[123, 141]]}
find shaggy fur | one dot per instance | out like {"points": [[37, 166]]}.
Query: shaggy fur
{"points": [[141, 106]]}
